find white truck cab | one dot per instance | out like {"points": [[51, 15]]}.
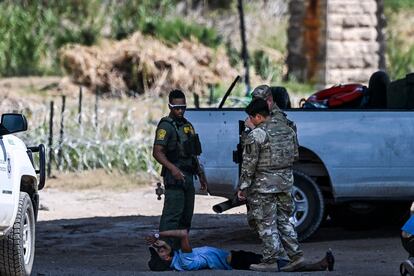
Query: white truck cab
{"points": [[19, 199]]}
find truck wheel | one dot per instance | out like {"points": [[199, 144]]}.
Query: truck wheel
{"points": [[17, 248], [309, 205]]}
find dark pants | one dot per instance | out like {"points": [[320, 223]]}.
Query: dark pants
{"points": [[178, 206], [408, 244], [243, 259]]}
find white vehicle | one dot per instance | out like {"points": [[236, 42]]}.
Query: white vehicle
{"points": [[19, 199]]}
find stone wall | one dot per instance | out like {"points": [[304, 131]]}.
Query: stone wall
{"points": [[349, 38]]}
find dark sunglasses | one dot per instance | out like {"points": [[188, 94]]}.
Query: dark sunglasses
{"points": [[178, 106]]}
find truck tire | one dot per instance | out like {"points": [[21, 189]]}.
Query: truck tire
{"points": [[309, 205], [17, 247]]}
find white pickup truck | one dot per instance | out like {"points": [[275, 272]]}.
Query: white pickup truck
{"points": [[348, 157], [19, 199]]}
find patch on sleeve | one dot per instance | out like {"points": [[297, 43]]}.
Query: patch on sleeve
{"points": [[188, 129], [161, 134], [248, 148]]}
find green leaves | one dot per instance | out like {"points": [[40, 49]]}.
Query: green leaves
{"points": [[20, 44], [400, 59], [32, 32]]}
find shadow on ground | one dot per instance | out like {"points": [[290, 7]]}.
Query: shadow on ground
{"points": [[115, 246]]}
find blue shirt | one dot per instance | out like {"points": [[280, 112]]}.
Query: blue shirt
{"points": [[205, 257], [409, 226]]}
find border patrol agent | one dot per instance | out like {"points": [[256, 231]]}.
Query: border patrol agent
{"points": [[176, 148], [266, 181]]}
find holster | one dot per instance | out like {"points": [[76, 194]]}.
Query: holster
{"points": [[170, 182]]}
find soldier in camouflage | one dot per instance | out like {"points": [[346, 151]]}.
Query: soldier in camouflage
{"points": [[266, 182], [277, 116], [264, 92]]}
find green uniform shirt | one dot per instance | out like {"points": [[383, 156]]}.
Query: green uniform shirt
{"points": [[166, 135]]}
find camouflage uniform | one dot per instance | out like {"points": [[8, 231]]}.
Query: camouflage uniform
{"points": [[267, 178], [277, 117]]}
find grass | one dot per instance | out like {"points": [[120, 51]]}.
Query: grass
{"points": [[176, 30], [32, 32], [398, 5], [400, 42]]}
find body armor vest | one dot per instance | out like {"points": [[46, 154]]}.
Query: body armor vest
{"points": [[187, 144], [278, 150]]}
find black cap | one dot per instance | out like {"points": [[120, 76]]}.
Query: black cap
{"points": [[156, 263]]}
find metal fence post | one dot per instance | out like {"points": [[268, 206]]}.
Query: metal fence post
{"points": [[49, 161], [61, 136], [96, 107], [80, 106]]}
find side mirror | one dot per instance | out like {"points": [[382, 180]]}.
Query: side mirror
{"points": [[12, 123]]}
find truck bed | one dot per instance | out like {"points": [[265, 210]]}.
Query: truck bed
{"points": [[365, 154]]}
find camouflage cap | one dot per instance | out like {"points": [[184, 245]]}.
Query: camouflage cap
{"points": [[262, 92]]}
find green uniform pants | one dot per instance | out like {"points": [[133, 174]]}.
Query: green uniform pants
{"points": [[178, 205]]}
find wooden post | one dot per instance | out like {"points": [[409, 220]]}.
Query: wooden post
{"points": [[211, 93], [244, 52], [49, 161], [196, 100], [80, 106], [61, 134], [96, 107]]}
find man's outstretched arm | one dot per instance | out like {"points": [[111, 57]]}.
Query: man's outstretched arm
{"points": [[182, 234]]}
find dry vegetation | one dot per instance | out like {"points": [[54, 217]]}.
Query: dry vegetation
{"points": [[99, 178], [142, 63]]}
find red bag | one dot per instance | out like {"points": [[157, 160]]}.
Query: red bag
{"points": [[342, 95]]}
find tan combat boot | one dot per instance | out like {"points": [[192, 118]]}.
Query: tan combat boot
{"points": [[294, 265], [265, 267]]}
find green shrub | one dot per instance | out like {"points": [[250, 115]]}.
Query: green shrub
{"points": [[261, 63], [233, 54], [150, 18], [398, 5], [21, 46], [176, 30], [33, 31], [399, 61], [265, 68]]}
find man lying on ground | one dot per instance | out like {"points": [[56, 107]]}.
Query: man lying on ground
{"points": [[164, 258]]}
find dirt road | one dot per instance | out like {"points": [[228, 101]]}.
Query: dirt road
{"points": [[96, 232]]}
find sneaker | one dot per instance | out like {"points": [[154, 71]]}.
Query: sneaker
{"points": [[265, 267], [407, 268], [294, 265]]}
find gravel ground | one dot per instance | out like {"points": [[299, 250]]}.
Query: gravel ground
{"points": [[100, 232]]}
